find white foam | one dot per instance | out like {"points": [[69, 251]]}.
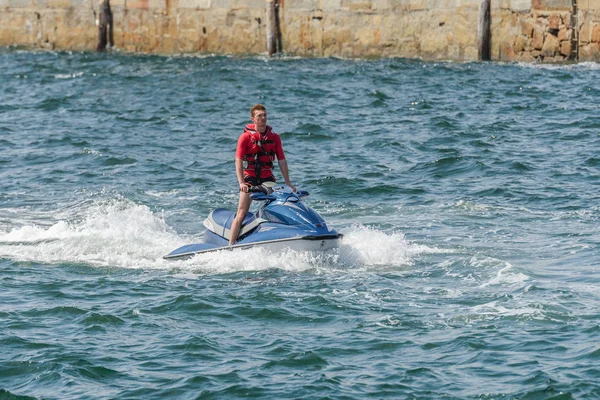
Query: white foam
{"points": [[156, 193], [494, 309], [120, 233], [258, 259], [582, 66], [362, 247], [371, 247], [110, 233], [505, 276], [68, 76]]}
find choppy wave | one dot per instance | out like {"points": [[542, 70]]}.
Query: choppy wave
{"points": [[465, 192]]}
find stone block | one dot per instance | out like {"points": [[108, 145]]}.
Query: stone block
{"points": [[538, 38], [19, 3], [60, 3], [433, 43], [453, 52], [565, 48], [552, 4], [564, 34], [553, 59], [507, 53], [520, 43], [526, 28], [194, 4], [220, 4], [300, 4], [360, 5], [551, 46], [154, 4], [352, 4], [596, 34], [526, 57], [464, 34], [412, 5], [381, 5], [329, 5], [595, 50], [520, 5], [590, 5], [553, 21], [470, 53], [585, 33], [257, 4], [141, 4], [441, 4]]}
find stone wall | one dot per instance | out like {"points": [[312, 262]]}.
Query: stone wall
{"points": [[61, 24], [547, 31], [589, 32], [522, 30]]}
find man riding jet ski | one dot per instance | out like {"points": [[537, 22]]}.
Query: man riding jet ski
{"points": [[282, 221]]}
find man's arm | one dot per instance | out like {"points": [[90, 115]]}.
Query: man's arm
{"points": [[239, 172], [283, 167]]}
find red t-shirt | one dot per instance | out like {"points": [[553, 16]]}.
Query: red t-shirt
{"points": [[246, 145]]}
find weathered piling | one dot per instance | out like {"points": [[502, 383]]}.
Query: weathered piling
{"points": [[485, 34], [105, 26], [271, 28], [279, 47], [574, 22]]}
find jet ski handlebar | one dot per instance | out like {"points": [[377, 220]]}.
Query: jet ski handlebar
{"points": [[261, 192], [260, 189]]}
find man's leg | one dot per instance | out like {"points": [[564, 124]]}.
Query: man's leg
{"points": [[243, 207]]}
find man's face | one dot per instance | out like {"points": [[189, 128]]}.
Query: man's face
{"points": [[260, 119]]}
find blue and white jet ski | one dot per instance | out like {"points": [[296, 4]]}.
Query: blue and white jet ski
{"points": [[282, 221]]}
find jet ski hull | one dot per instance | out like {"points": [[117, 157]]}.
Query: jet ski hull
{"points": [[306, 243]]}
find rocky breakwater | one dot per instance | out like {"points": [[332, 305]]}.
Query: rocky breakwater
{"points": [[49, 24], [548, 31], [521, 30], [434, 30]]}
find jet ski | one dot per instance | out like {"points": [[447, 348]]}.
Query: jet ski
{"points": [[282, 221]]}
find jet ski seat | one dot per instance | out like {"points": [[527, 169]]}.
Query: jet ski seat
{"points": [[219, 221]]}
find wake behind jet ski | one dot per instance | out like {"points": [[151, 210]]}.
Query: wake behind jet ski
{"points": [[282, 221]]}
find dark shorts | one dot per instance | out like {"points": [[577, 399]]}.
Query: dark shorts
{"points": [[253, 181]]}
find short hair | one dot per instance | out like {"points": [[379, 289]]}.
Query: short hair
{"points": [[257, 107]]}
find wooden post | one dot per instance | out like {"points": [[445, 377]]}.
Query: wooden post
{"points": [[574, 56], [271, 28], [279, 48], [485, 34], [105, 26]]}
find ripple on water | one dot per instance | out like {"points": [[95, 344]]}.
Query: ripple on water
{"points": [[112, 161], [467, 268]]}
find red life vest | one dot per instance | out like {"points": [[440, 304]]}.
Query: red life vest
{"points": [[261, 154]]}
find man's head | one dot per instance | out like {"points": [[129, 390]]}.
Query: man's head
{"points": [[258, 112], [257, 107]]}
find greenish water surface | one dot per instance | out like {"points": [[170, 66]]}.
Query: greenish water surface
{"points": [[467, 193]]}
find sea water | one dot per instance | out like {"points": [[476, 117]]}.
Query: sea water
{"points": [[468, 194]]}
